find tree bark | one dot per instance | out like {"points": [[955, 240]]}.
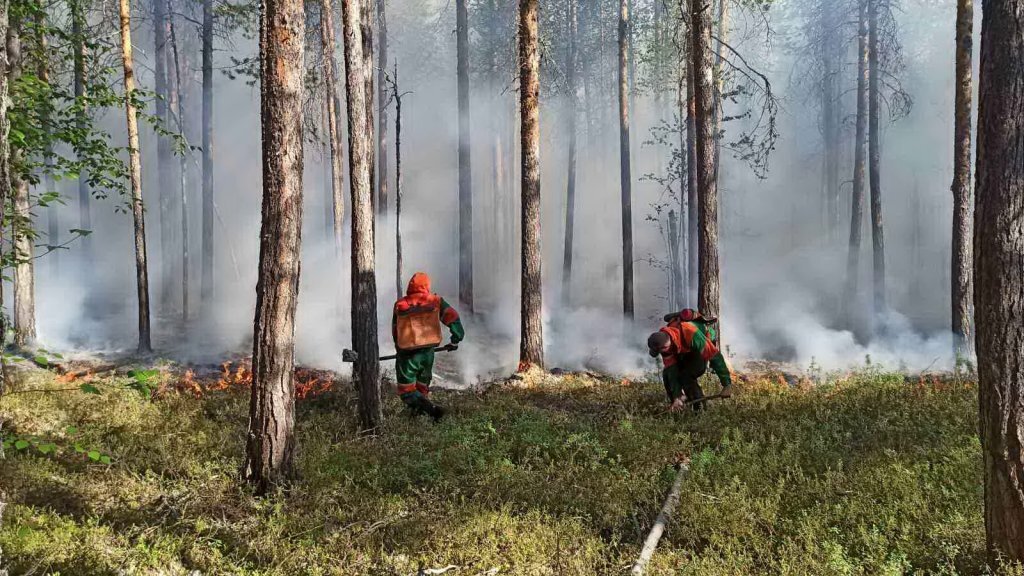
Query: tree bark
{"points": [[723, 35], [5, 167], [999, 275], [707, 203], [691, 178], [531, 347], [21, 225], [364, 287], [270, 442], [164, 154], [465, 164], [206, 286], [84, 194], [367, 22], [570, 186], [683, 166], [135, 167], [52, 213], [675, 269], [874, 101], [382, 123], [399, 292], [625, 178], [179, 108], [851, 299], [961, 253], [333, 100]]}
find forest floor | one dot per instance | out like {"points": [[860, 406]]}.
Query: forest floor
{"points": [[864, 473]]}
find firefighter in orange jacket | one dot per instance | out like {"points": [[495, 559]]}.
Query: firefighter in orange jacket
{"points": [[686, 346], [416, 329]]}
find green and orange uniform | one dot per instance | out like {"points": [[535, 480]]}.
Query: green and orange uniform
{"points": [[416, 328], [694, 346]]}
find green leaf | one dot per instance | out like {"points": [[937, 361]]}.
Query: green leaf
{"points": [[42, 361], [21, 444], [105, 459], [46, 448], [71, 430], [93, 455], [89, 389]]}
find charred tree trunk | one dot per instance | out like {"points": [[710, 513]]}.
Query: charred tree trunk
{"points": [[874, 101], [465, 165], [625, 178], [852, 296], [961, 262], [270, 442], [364, 286], [382, 124], [531, 347], [164, 154], [206, 286], [999, 275], [570, 186], [135, 167], [21, 225], [707, 203], [84, 195], [334, 138], [398, 189], [179, 111]]}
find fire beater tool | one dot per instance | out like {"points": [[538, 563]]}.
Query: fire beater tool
{"points": [[352, 356]]}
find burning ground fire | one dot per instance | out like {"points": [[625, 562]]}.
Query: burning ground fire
{"points": [[236, 377]]}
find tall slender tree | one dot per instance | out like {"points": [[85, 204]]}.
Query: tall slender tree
{"points": [[164, 153], [961, 253], [531, 346], [874, 154], [570, 186], [999, 275], [465, 165], [851, 297], [79, 49], [625, 178], [270, 442], [206, 286], [333, 102], [707, 195], [398, 187], [364, 286], [693, 219], [382, 120], [367, 9], [177, 91], [135, 171], [21, 229], [5, 169], [723, 37], [48, 183]]}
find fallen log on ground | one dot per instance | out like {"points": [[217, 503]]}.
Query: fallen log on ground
{"points": [[659, 524]]}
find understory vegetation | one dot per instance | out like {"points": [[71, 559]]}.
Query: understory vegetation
{"points": [[871, 473]]}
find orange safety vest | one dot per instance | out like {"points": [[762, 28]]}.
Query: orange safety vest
{"points": [[418, 316], [681, 334]]}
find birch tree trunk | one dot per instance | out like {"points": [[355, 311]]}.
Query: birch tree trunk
{"points": [[135, 168], [999, 275], [465, 164], [852, 299], [327, 45], [270, 442], [707, 244], [625, 178], [531, 347], [21, 225], [364, 287], [961, 249], [206, 286], [570, 186], [874, 152]]}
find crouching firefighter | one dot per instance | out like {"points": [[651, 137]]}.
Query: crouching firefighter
{"points": [[687, 345], [416, 329]]}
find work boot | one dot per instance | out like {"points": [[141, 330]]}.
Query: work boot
{"points": [[726, 392], [437, 412]]}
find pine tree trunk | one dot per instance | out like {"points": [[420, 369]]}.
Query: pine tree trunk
{"points": [[570, 186], [852, 296], [164, 154], [5, 167], [832, 114], [135, 167], [21, 225], [382, 124], [723, 37], [334, 138], [270, 442], [707, 242], [874, 153], [52, 212], [531, 347], [465, 164], [84, 194], [366, 372], [691, 178], [625, 178], [675, 269], [206, 287], [398, 189], [999, 275], [367, 21], [961, 256], [683, 165], [179, 108]]}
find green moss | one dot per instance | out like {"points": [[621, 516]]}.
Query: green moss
{"points": [[870, 475]]}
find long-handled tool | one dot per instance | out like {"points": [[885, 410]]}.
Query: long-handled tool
{"points": [[353, 356]]}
